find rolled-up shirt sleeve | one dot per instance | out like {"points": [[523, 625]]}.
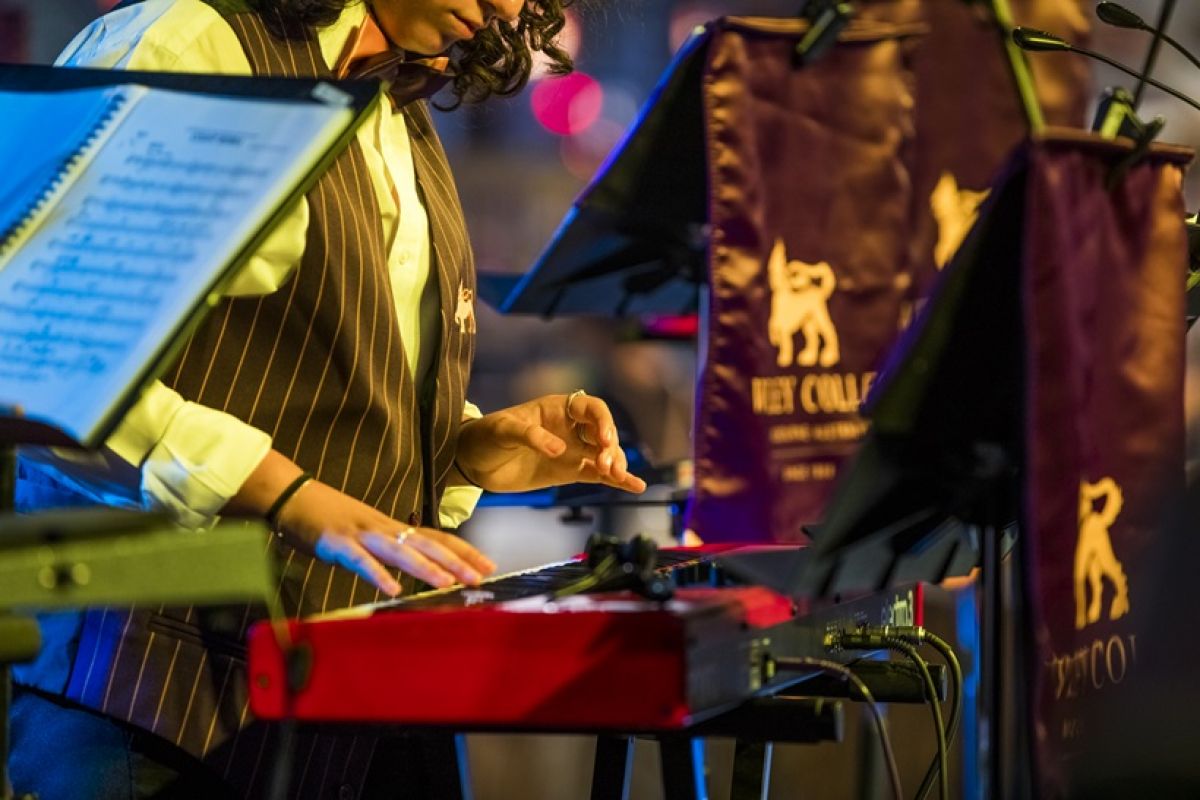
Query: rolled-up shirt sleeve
{"points": [[458, 502], [192, 459]]}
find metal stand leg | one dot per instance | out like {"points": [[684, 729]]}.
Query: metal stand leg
{"points": [[613, 767], [683, 769], [991, 734], [446, 772], [751, 770], [419, 765]]}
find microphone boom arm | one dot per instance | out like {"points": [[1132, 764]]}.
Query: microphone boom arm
{"points": [[1035, 40], [1019, 66], [1117, 65]]}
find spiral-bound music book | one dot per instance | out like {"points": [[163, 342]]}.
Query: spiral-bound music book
{"points": [[123, 208]]}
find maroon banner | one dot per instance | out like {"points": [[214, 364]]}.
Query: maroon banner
{"points": [[810, 225], [969, 118], [839, 190], [1103, 278]]}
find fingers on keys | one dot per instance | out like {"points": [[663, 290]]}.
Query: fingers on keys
{"points": [[437, 558], [349, 553]]}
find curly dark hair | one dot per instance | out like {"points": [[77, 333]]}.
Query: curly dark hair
{"points": [[496, 61]]}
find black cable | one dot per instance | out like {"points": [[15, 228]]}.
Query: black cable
{"points": [[942, 762], [1164, 19], [800, 663], [956, 686], [903, 639]]}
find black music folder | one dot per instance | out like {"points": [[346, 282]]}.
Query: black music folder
{"points": [[635, 241], [127, 201]]}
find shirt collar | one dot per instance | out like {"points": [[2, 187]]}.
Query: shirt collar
{"points": [[364, 51], [357, 37]]}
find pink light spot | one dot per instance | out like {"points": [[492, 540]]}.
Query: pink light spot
{"points": [[567, 105]]}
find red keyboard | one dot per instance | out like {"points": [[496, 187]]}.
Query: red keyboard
{"points": [[485, 658]]}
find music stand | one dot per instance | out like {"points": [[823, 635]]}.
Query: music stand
{"points": [[942, 458], [993, 361], [96, 557], [634, 242]]}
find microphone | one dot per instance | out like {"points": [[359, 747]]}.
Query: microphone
{"points": [[1041, 41], [1119, 16]]}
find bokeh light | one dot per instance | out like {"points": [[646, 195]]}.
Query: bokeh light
{"points": [[568, 105]]}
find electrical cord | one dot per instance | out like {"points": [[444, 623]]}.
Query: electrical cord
{"points": [[956, 687], [917, 636], [801, 663], [939, 726], [904, 639]]}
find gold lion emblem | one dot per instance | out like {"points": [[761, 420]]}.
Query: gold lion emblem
{"points": [[799, 304], [955, 211], [464, 312], [1094, 557]]}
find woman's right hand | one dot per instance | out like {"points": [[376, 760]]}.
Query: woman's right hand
{"points": [[344, 531], [341, 530]]}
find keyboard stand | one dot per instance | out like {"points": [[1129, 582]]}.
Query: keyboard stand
{"points": [[755, 725], [802, 714]]}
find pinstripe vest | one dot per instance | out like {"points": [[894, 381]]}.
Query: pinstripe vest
{"points": [[319, 365]]}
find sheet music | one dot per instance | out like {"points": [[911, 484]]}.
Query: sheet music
{"points": [[137, 241], [33, 159]]}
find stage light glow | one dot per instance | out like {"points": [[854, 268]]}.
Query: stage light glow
{"points": [[568, 105]]}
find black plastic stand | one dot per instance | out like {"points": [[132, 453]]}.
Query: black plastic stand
{"points": [[991, 591], [684, 773], [991, 473], [612, 767], [751, 770], [755, 725]]}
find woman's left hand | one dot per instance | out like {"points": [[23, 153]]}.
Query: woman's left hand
{"points": [[553, 440]]}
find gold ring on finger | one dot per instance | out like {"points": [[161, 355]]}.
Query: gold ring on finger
{"points": [[571, 399], [581, 434], [403, 535]]}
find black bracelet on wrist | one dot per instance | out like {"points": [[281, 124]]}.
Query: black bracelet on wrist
{"points": [[466, 477], [293, 487]]}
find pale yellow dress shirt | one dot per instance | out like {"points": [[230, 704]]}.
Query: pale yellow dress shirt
{"points": [[191, 459]]}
